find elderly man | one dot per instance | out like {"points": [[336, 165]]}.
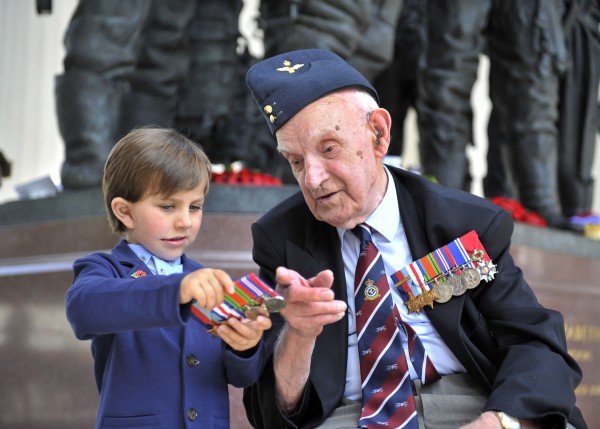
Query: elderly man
{"points": [[388, 323]]}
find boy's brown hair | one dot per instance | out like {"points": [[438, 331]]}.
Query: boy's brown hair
{"points": [[152, 161]]}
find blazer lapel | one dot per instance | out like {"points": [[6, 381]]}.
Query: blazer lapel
{"points": [[321, 252], [127, 257], [445, 317]]}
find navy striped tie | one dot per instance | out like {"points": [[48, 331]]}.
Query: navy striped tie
{"points": [[388, 400]]}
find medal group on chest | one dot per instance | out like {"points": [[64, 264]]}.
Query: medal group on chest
{"points": [[448, 271]]}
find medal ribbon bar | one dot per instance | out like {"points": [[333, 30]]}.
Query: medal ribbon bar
{"points": [[249, 292], [447, 271]]}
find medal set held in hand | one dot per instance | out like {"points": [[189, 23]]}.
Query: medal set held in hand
{"points": [[251, 297], [446, 272]]}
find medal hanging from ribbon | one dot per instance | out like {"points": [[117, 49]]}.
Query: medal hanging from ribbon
{"points": [[448, 271], [250, 295]]}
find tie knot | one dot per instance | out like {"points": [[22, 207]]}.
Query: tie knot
{"points": [[363, 232]]}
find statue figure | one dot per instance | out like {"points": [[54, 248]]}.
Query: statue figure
{"points": [[527, 51], [397, 84], [167, 63], [360, 31], [576, 119], [112, 46], [578, 107]]}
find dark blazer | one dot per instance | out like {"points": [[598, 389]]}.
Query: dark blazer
{"points": [[155, 365], [511, 345]]}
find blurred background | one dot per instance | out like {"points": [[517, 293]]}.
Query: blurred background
{"points": [[46, 378]]}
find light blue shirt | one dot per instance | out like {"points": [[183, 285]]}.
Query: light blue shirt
{"points": [[389, 237], [154, 263]]}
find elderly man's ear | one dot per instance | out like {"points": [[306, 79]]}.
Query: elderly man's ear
{"points": [[382, 122]]}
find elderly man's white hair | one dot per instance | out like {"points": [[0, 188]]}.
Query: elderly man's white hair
{"points": [[364, 99]]}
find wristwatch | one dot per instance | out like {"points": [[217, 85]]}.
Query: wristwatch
{"points": [[507, 422]]}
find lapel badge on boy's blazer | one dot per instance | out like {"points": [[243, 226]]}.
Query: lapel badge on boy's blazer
{"points": [[448, 271], [138, 274]]}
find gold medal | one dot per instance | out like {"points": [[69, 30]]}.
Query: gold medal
{"points": [[428, 297], [413, 304]]}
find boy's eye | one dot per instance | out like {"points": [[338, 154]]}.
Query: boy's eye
{"points": [[195, 207], [166, 206]]}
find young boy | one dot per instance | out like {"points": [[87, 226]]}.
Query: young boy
{"points": [[154, 363]]}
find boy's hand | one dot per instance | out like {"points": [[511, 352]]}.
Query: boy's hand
{"points": [[244, 334], [206, 287]]}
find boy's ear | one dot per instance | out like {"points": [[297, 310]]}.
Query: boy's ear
{"points": [[121, 208]]}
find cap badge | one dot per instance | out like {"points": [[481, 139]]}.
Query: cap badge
{"points": [[287, 67]]}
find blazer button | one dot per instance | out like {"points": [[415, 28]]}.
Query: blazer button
{"points": [[191, 360], [192, 414]]}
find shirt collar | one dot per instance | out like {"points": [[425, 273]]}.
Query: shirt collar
{"points": [[146, 256]]}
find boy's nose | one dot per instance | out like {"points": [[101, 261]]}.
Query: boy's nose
{"points": [[184, 219]]}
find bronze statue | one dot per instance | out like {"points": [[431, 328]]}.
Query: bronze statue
{"points": [[171, 64]]}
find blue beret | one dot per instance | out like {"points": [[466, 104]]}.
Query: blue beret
{"points": [[284, 84]]}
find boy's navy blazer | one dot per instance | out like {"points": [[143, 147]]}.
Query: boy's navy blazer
{"points": [[509, 343], [142, 342]]}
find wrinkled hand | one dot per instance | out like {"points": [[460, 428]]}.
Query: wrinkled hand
{"points": [[244, 334], [486, 420], [310, 304], [206, 286]]}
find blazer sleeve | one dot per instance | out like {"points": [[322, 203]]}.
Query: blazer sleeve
{"points": [[536, 377], [244, 369], [103, 299]]}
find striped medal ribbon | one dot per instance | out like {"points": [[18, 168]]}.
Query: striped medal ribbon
{"points": [[250, 292], [447, 271]]}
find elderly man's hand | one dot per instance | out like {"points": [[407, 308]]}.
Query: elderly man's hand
{"points": [[488, 420], [310, 304]]}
